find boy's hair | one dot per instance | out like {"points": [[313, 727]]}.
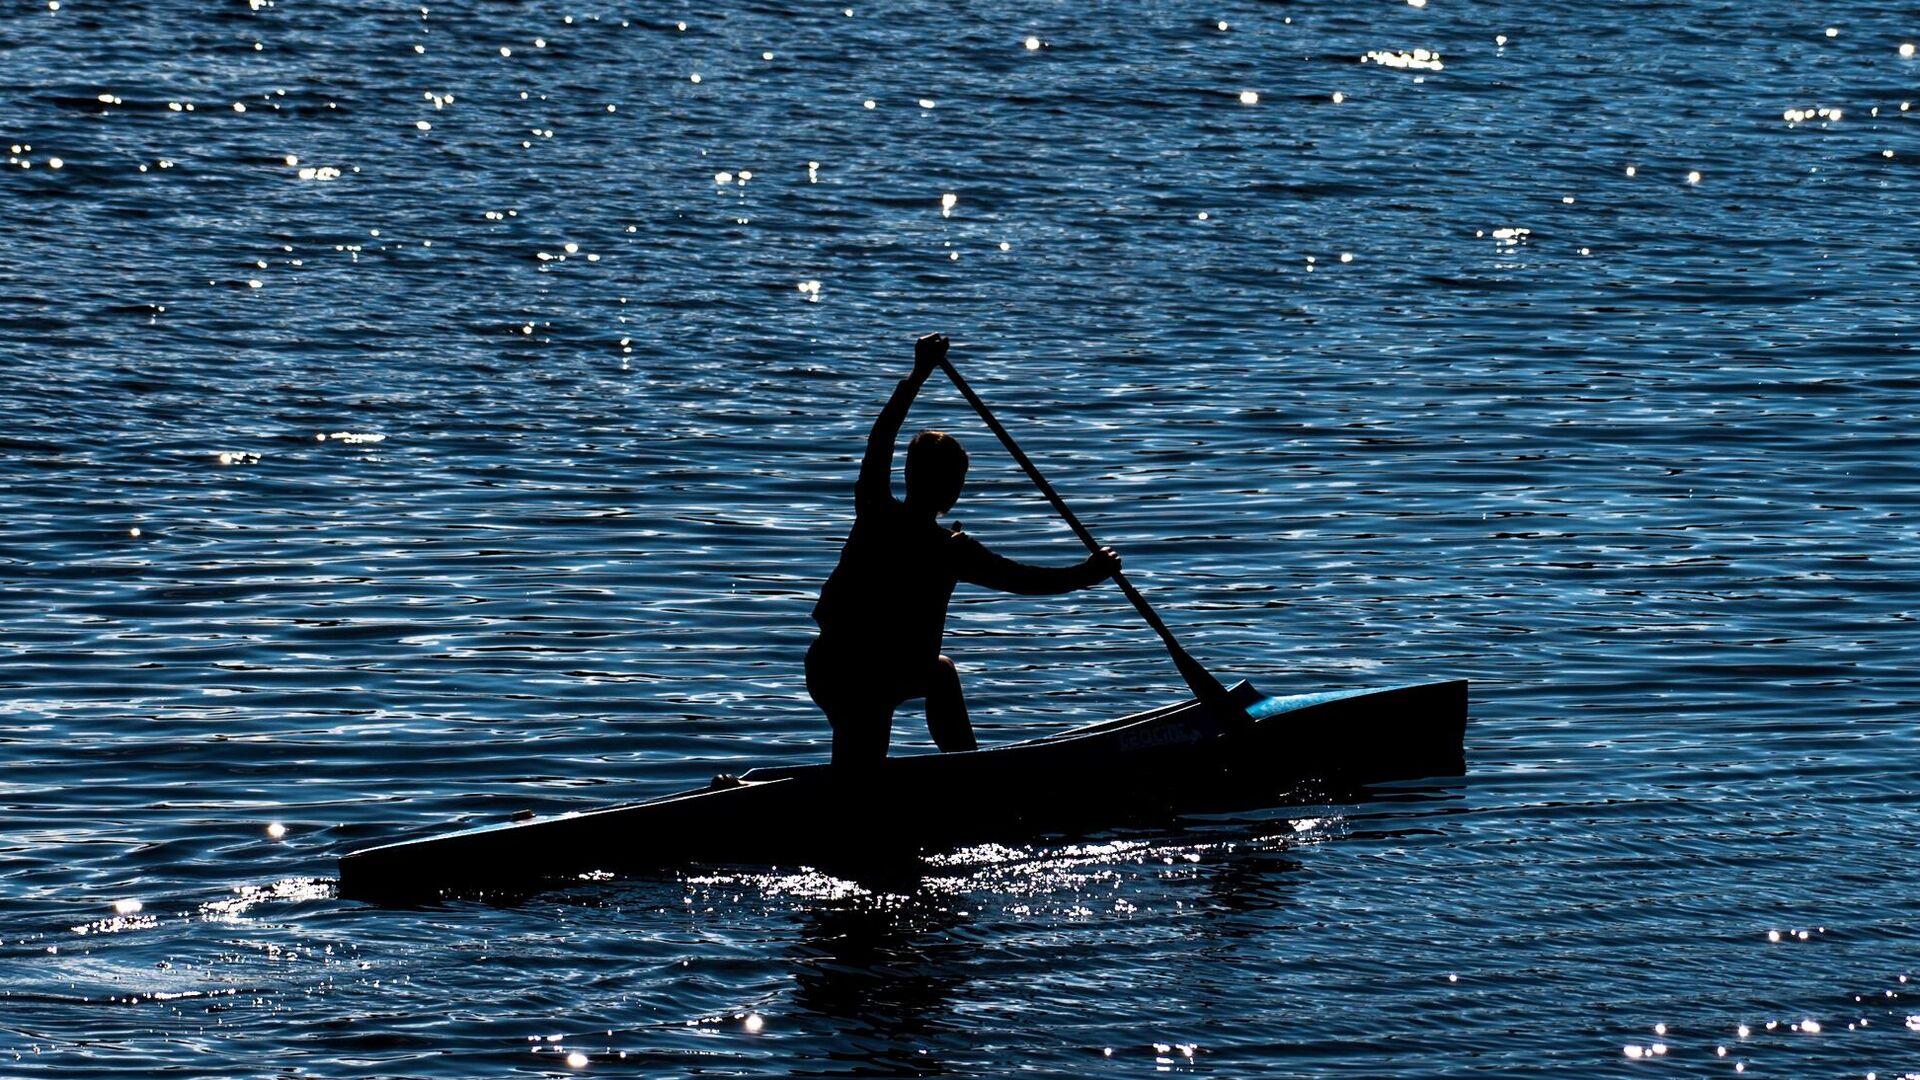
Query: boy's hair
{"points": [[936, 468]]}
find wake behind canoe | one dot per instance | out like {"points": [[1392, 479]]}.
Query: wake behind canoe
{"points": [[1177, 758]]}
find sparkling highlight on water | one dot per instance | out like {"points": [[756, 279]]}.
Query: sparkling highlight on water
{"points": [[1416, 59]]}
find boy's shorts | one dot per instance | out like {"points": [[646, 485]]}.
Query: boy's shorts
{"points": [[844, 680]]}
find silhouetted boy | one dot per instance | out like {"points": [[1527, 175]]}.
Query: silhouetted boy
{"points": [[882, 611]]}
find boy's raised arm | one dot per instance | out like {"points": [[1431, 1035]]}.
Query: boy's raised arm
{"points": [[876, 468]]}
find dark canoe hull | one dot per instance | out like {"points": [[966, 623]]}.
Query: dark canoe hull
{"points": [[1164, 761]]}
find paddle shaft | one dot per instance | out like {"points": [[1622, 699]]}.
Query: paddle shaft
{"points": [[1198, 678]]}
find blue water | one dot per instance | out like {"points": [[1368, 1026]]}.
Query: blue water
{"points": [[466, 425]]}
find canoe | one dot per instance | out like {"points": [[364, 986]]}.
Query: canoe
{"points": [[1175, 759]]}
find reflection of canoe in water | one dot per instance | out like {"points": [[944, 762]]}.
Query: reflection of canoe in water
{"points": [[1171, 759]]}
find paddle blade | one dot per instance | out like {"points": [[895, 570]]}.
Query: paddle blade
{"points": [[1210, 692]]}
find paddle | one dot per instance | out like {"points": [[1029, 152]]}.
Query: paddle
{"points": [[1198, 678]]}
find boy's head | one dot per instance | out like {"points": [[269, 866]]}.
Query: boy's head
{"points": [[936, 467]]}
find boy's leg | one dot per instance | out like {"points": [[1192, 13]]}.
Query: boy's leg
{"points": [[862, 720], [947, 709], [860, 736]]}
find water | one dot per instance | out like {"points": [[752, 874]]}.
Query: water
{"points": [[494, 462]]}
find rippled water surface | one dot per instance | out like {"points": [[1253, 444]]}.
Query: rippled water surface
{"points": [[415, 414]]}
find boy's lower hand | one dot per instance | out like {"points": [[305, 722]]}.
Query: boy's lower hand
{"points": [[1106, 560]]}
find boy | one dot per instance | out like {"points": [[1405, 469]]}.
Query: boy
{"points": [[882, 611]]}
